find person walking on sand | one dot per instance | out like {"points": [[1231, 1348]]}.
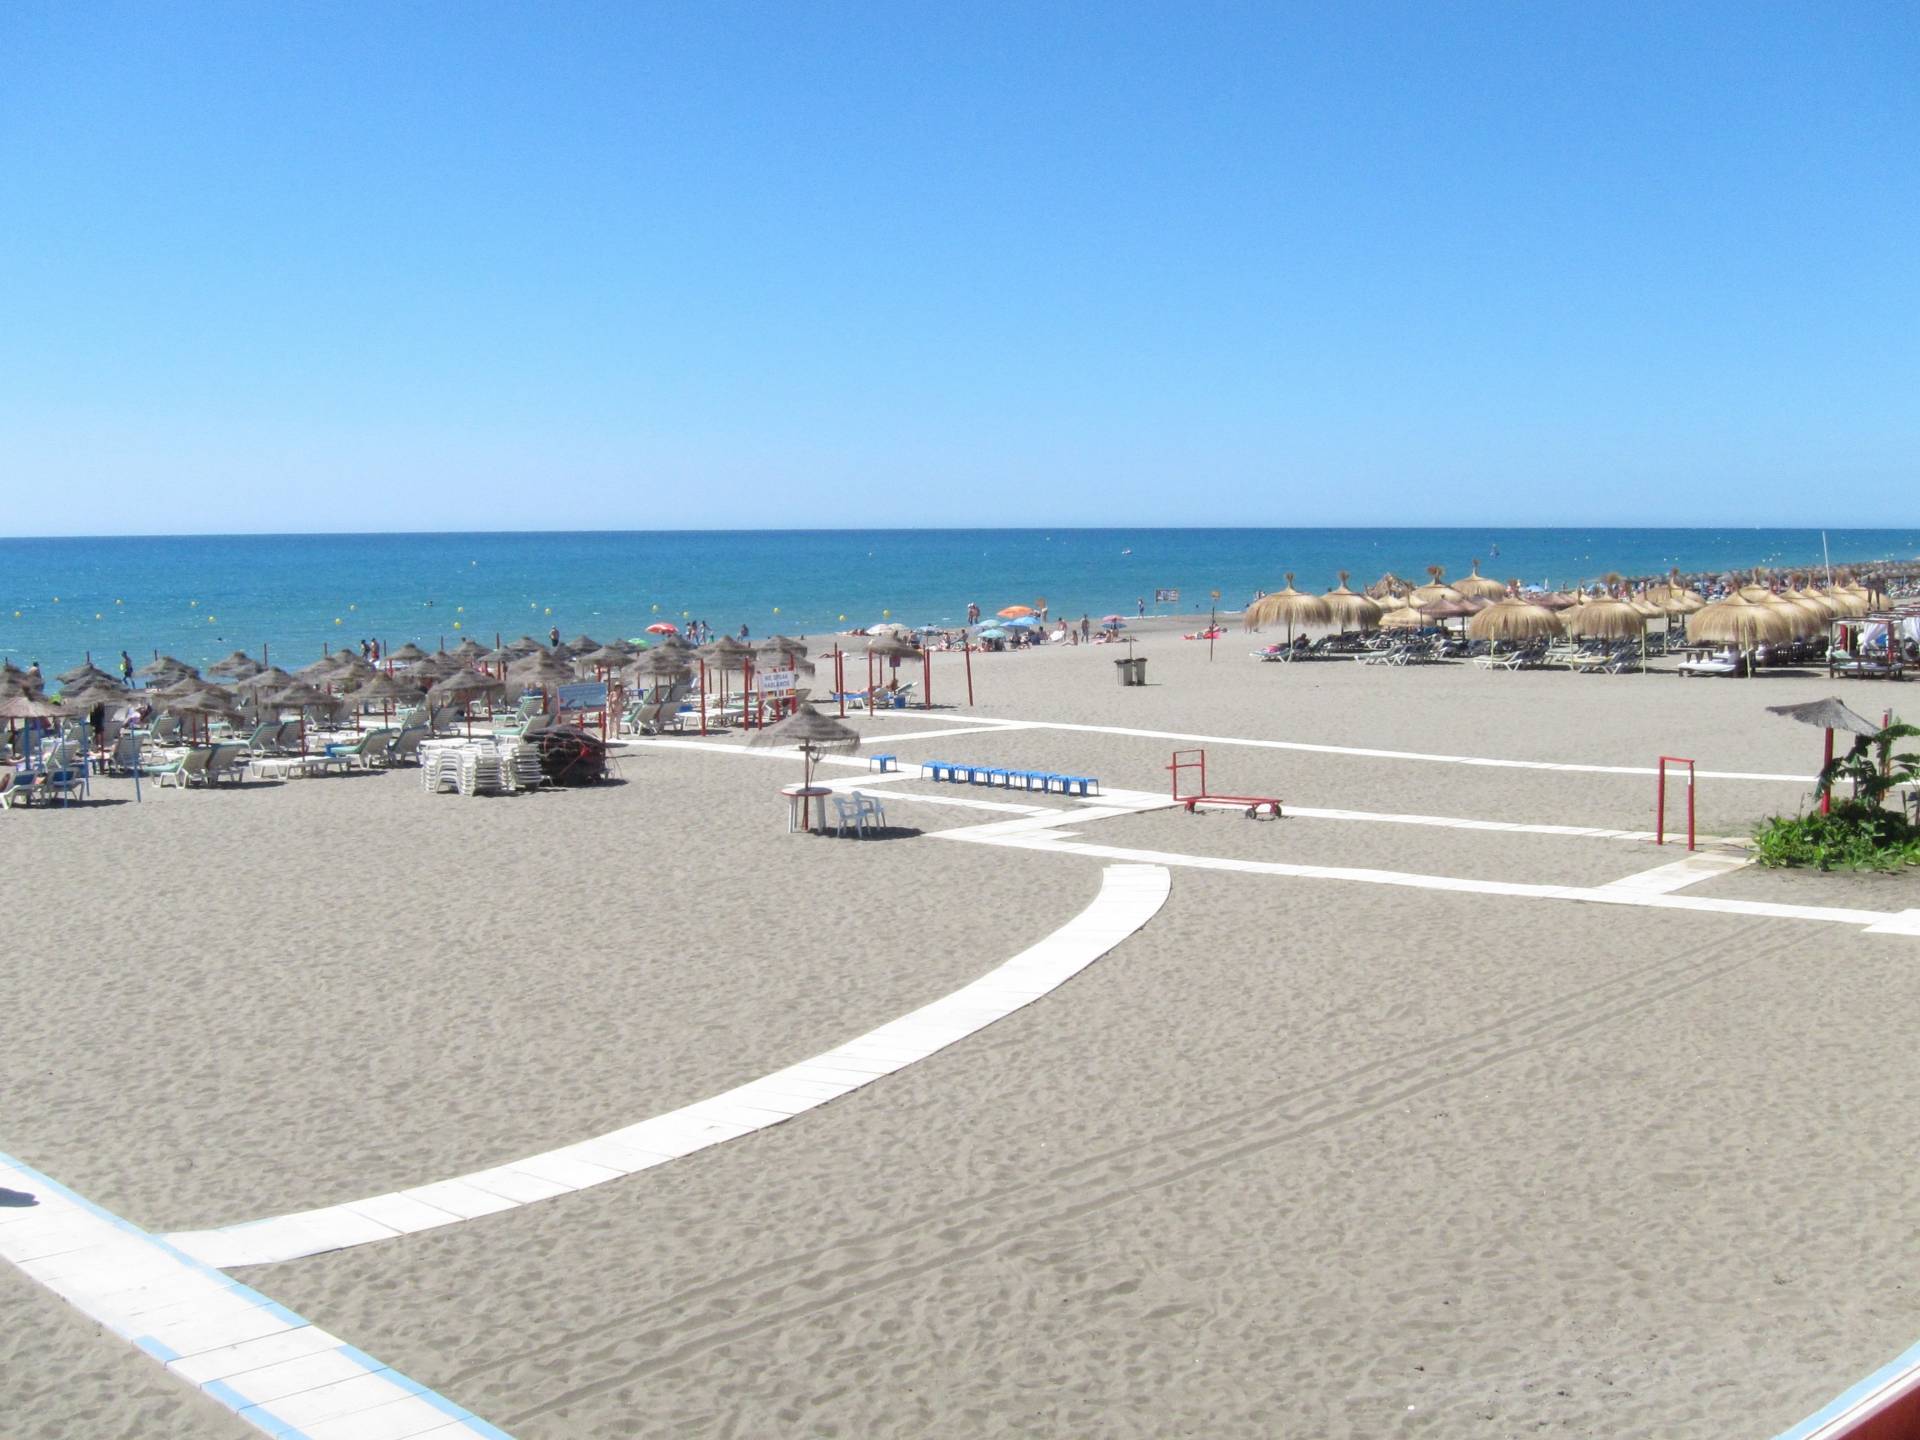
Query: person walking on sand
{"points": [[1086, 629], [1140, 605], [553, 636], [973, 612], [126, 668]]}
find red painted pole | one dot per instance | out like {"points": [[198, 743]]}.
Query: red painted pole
{"points": [[1826, 800]]}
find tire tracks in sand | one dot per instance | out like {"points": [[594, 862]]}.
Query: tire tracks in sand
{"points": [[680, 1327]]}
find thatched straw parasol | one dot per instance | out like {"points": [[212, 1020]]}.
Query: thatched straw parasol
{"points": [[726, 648], [892, 648], [1405, 618], [95, 689], [582, 643], [1390, 584], [1478, 586], [1351, 611], [542, 671], [174, 689], [561, 651], [655, 667], [1737, 621], [165, 665], [1513, 619], [1604, 620], [1435, 589], [237, 666], [813, 734], [1813, 599], [88, 674], [348, 666], [1828, 714], [28, 707], [264, 682], [463, 684], [525, 645], [608, 655], [469, 648], [406, 654], [783, 645], [1289, 607], [386, 688]]}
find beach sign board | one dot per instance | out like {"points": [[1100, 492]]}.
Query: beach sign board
{"points": [[775, 682], [587, 695]]}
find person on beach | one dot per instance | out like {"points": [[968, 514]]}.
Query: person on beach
{"points": [[743, 634], [126, 668], [374, 646], [553, 636], [1086, 629], [973, 612], [1140, 605]]}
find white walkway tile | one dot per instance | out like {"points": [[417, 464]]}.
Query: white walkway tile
{"points": [[1129, 896], [257, 1358]]}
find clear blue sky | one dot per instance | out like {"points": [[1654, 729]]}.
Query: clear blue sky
{"points": [[469, 265]]}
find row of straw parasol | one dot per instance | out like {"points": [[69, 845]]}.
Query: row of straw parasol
{"points": [[1498, 612]]}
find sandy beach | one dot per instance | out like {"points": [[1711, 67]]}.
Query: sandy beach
{"points": [[1340, 1153]]}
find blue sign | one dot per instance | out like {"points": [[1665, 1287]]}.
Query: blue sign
{"points": [[587, 695]]}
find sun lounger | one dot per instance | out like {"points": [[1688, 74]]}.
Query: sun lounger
{"points": [[226, 761], [183, 769], [1723, 664]]}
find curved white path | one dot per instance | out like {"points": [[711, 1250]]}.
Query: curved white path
{"points": [[1130, 895]]}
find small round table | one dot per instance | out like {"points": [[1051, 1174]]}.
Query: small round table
{"points": [[797, 798]]}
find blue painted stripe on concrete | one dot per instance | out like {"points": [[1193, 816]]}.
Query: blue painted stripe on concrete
{"points": [[262, 1417]]}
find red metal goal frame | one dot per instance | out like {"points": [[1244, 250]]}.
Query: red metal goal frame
{"points": [[1251, 803], [1660, 800]]}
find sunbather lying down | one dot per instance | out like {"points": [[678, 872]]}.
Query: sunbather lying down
{"points": [[1214, 634]]}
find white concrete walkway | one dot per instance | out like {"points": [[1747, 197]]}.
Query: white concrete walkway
{"points": [[1129, 896], [280, 1374]]}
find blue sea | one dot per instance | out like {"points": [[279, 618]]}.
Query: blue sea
{"points": [[199, 597]]}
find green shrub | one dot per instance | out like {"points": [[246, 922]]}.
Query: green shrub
{"points": [[1856, 836]]}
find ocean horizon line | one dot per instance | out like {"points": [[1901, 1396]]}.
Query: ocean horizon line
{"points": [[1514, 527]]}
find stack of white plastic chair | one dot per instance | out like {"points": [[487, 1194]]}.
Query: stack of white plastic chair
{"points": [[481, 772], [439, 768], [521, 762]]}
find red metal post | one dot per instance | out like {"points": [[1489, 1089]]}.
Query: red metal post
{"points": [[1826, 800]]}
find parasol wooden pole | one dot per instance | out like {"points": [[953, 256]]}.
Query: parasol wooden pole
{"points": [[967, 649], [840, 678], [1826, 800], [926, 675]]}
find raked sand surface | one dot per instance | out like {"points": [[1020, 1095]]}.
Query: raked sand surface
{"points": [[1303, 1156]]}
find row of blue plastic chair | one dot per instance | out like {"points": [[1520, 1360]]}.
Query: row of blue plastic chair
{"points": [[994, 775]]}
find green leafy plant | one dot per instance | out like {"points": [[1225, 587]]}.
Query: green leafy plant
{"points": [[1859, 833]]}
